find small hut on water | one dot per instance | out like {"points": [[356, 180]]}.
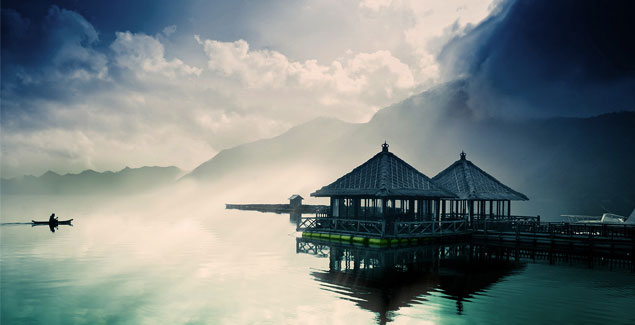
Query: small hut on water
{"points": [[385, 188], [480, 195], [295, 201]]}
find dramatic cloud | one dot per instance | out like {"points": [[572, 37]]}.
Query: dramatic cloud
{"points": [[83, 93], [60, 52], [534, 58]]}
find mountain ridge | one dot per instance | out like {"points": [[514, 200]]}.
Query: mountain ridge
{"points": [[92, 182]]}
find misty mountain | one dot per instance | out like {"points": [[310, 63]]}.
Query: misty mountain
{"points": [[564, 165], [127, 180]]}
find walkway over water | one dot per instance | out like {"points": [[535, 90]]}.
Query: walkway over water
{"points": [[610, 238]]}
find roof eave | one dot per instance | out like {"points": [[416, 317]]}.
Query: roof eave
{"points": [[382, 193]]}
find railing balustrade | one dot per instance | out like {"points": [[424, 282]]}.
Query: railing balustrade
{"points": [[342, 225], [519, 226], [379, 228], [409, 228], [556, 228]]}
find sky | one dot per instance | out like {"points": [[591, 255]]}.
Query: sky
{"points": [[107, 84]]}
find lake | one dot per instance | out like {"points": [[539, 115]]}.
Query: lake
{"points": [[149, 260]]}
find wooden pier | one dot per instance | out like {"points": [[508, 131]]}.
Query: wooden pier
{"points": [[610, 239], [278, 208]]}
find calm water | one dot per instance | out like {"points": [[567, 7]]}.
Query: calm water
{"points": [[153, 261]]}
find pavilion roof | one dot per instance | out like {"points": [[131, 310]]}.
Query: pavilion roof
{"points": [[384, 175], [469, 182]]}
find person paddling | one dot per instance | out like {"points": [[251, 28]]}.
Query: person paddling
{"points": [[52, 218]]}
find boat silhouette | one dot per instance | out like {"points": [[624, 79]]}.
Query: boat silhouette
{"points": [[54, 223]]}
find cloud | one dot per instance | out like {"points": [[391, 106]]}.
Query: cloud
{"points": [[145, 54], [60, 60], [148, 109], [70, 38], [375, 4], [74, 99], [431, 25], [169, 30], [571, 58], [378, 74]]}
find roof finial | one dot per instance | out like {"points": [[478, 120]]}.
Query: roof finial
{"points": [[384, 147], [463, 155]]}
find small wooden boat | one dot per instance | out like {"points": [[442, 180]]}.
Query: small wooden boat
{"points": [[61, 222]]}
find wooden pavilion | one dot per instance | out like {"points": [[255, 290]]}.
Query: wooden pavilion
{"points": [[385, 187], [480, 195]]}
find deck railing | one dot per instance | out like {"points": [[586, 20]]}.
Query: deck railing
{"points": [[427, 228], [556, 228], [381, 228], [483, 217], [342, 225]]}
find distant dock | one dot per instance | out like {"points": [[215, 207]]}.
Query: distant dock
{"points": [[295, 207], [278, 208]]}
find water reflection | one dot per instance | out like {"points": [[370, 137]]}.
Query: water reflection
{"points": [[383, 280], [52, 227]]}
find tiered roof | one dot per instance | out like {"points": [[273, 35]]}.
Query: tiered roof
{"points": [[384, 175], [469, 182]]}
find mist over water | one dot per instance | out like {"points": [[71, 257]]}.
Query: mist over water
{"points": [[177, 256]]}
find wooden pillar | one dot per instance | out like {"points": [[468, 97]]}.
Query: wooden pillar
{"points": [[496, 209], [442, 210], [342, 206], [498, 213], [509, 208], [365, 208], [452, 207], [383, 208], [463, 208], [332, 207], [437, 211]]}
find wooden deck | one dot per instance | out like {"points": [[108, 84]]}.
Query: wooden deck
{"points": [[605, 238]]}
